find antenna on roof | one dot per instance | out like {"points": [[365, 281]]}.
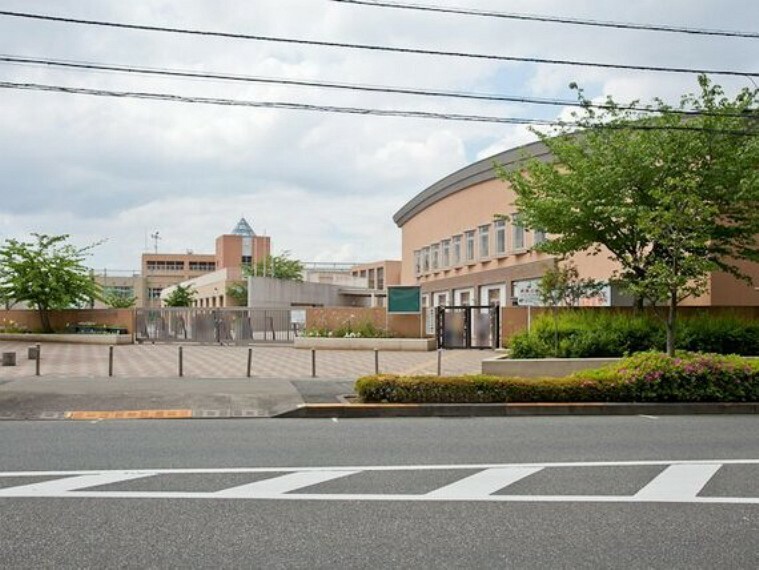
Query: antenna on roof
{"points": [[155, 237]]}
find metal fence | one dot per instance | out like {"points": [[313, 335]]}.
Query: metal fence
{"points": [[237, 326], [468, 327]]}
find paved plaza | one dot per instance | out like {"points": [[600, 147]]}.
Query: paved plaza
{"points": [[286, 362]]}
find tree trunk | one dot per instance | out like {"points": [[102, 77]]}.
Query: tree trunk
{"points": [[671, 324], [45, 319]]}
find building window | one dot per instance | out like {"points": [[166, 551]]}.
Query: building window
{"points": [[425, 260], [371, 279], [518, 242], [122, 291], [539, 237], [380, 278], [202, 266], [417, 262], [154, 292], [165, 265], [435, 255], [446, 253], [456, 250], [500, 237], [484, 241], [469, 245]]}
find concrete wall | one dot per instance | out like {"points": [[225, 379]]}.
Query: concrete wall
{"points": [[331, 318], [268, 292], [59, 319]]}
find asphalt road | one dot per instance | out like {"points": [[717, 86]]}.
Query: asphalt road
{"points": [[362, 493]]}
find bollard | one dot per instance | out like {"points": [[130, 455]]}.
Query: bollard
{"points": [[110, 361], [313, 363], [376, 361], [181, 371], [37, 360], [250, 360], [439, 361]]}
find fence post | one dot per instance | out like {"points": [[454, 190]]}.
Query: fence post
{"points": [[250, 360], [181, 371], [110, 361], [37, 362], [439, 361], [313, 363], [376, 361]]}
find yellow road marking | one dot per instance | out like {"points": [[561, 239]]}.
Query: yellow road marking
{"points": [[129, 415]]}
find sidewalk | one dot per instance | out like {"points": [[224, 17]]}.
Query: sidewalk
{"points": [[74, 379]]}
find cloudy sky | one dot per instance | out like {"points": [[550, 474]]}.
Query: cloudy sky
{"points": [[324, 186]]}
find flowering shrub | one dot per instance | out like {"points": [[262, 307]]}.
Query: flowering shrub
{"points": [[645, 377], [365, 329]]}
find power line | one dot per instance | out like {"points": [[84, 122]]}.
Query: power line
{"points": [[163, 72], [556, 19], [348, 110], [369, 47]]}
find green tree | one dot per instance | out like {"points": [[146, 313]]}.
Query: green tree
{"points": [[118, 301], [562, 286], [670, 194], [180, 296], [278, 266], [47, 273]]}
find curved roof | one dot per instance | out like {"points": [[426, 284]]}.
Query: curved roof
{"points": [[475, 173]]}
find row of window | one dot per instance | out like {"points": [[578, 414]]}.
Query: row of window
{"points": [[202, 266], [474, 245], [372, 283], [165, 265]]}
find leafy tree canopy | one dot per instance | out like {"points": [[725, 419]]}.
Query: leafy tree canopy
{"points": [[180, 296], [671, 194], [47, 273], [277, 266]]}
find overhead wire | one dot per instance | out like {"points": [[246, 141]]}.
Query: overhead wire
{"points": [[188, 74], [377, 48], [555, 19], [351, 110]]}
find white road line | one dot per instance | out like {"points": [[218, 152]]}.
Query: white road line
{"points": [[393, 498], [476, 466], [283, 484], [60, 487], [678, 482], [483, 483]]}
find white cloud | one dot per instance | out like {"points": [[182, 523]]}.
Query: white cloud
{"points": [[323, 186]]}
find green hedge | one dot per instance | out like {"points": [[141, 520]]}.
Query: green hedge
{"points": [[645, 377], [587, 334]]}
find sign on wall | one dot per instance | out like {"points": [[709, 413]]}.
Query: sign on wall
{"points": [[403, 299]]}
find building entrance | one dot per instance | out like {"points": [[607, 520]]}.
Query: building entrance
{"points": [[468, 326]]}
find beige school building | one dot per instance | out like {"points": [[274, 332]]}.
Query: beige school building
{"points": [[455, 249]]}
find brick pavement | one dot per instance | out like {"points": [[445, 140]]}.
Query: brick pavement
{"points": [[160, 361]]}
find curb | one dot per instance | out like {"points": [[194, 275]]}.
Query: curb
{"points": [[521, 409]]}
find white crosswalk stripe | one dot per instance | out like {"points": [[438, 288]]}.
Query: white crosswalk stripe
{"points": [[676, 482]]}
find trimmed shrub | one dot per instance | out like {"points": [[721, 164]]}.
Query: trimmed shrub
{"points": [[587, 334], [645, 377]]}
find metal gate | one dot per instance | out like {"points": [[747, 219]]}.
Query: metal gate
{"points": [[214, 325], [468, 327]]}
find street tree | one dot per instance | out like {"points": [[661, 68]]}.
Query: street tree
{"points": [[47, 273], [180, 296], [670, 194]]}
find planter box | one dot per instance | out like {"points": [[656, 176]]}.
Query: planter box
{"points": [[403, 344], [70, 338], [551, 367]]}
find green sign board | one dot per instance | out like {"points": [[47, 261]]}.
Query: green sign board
{"points": [[404, 299]]}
